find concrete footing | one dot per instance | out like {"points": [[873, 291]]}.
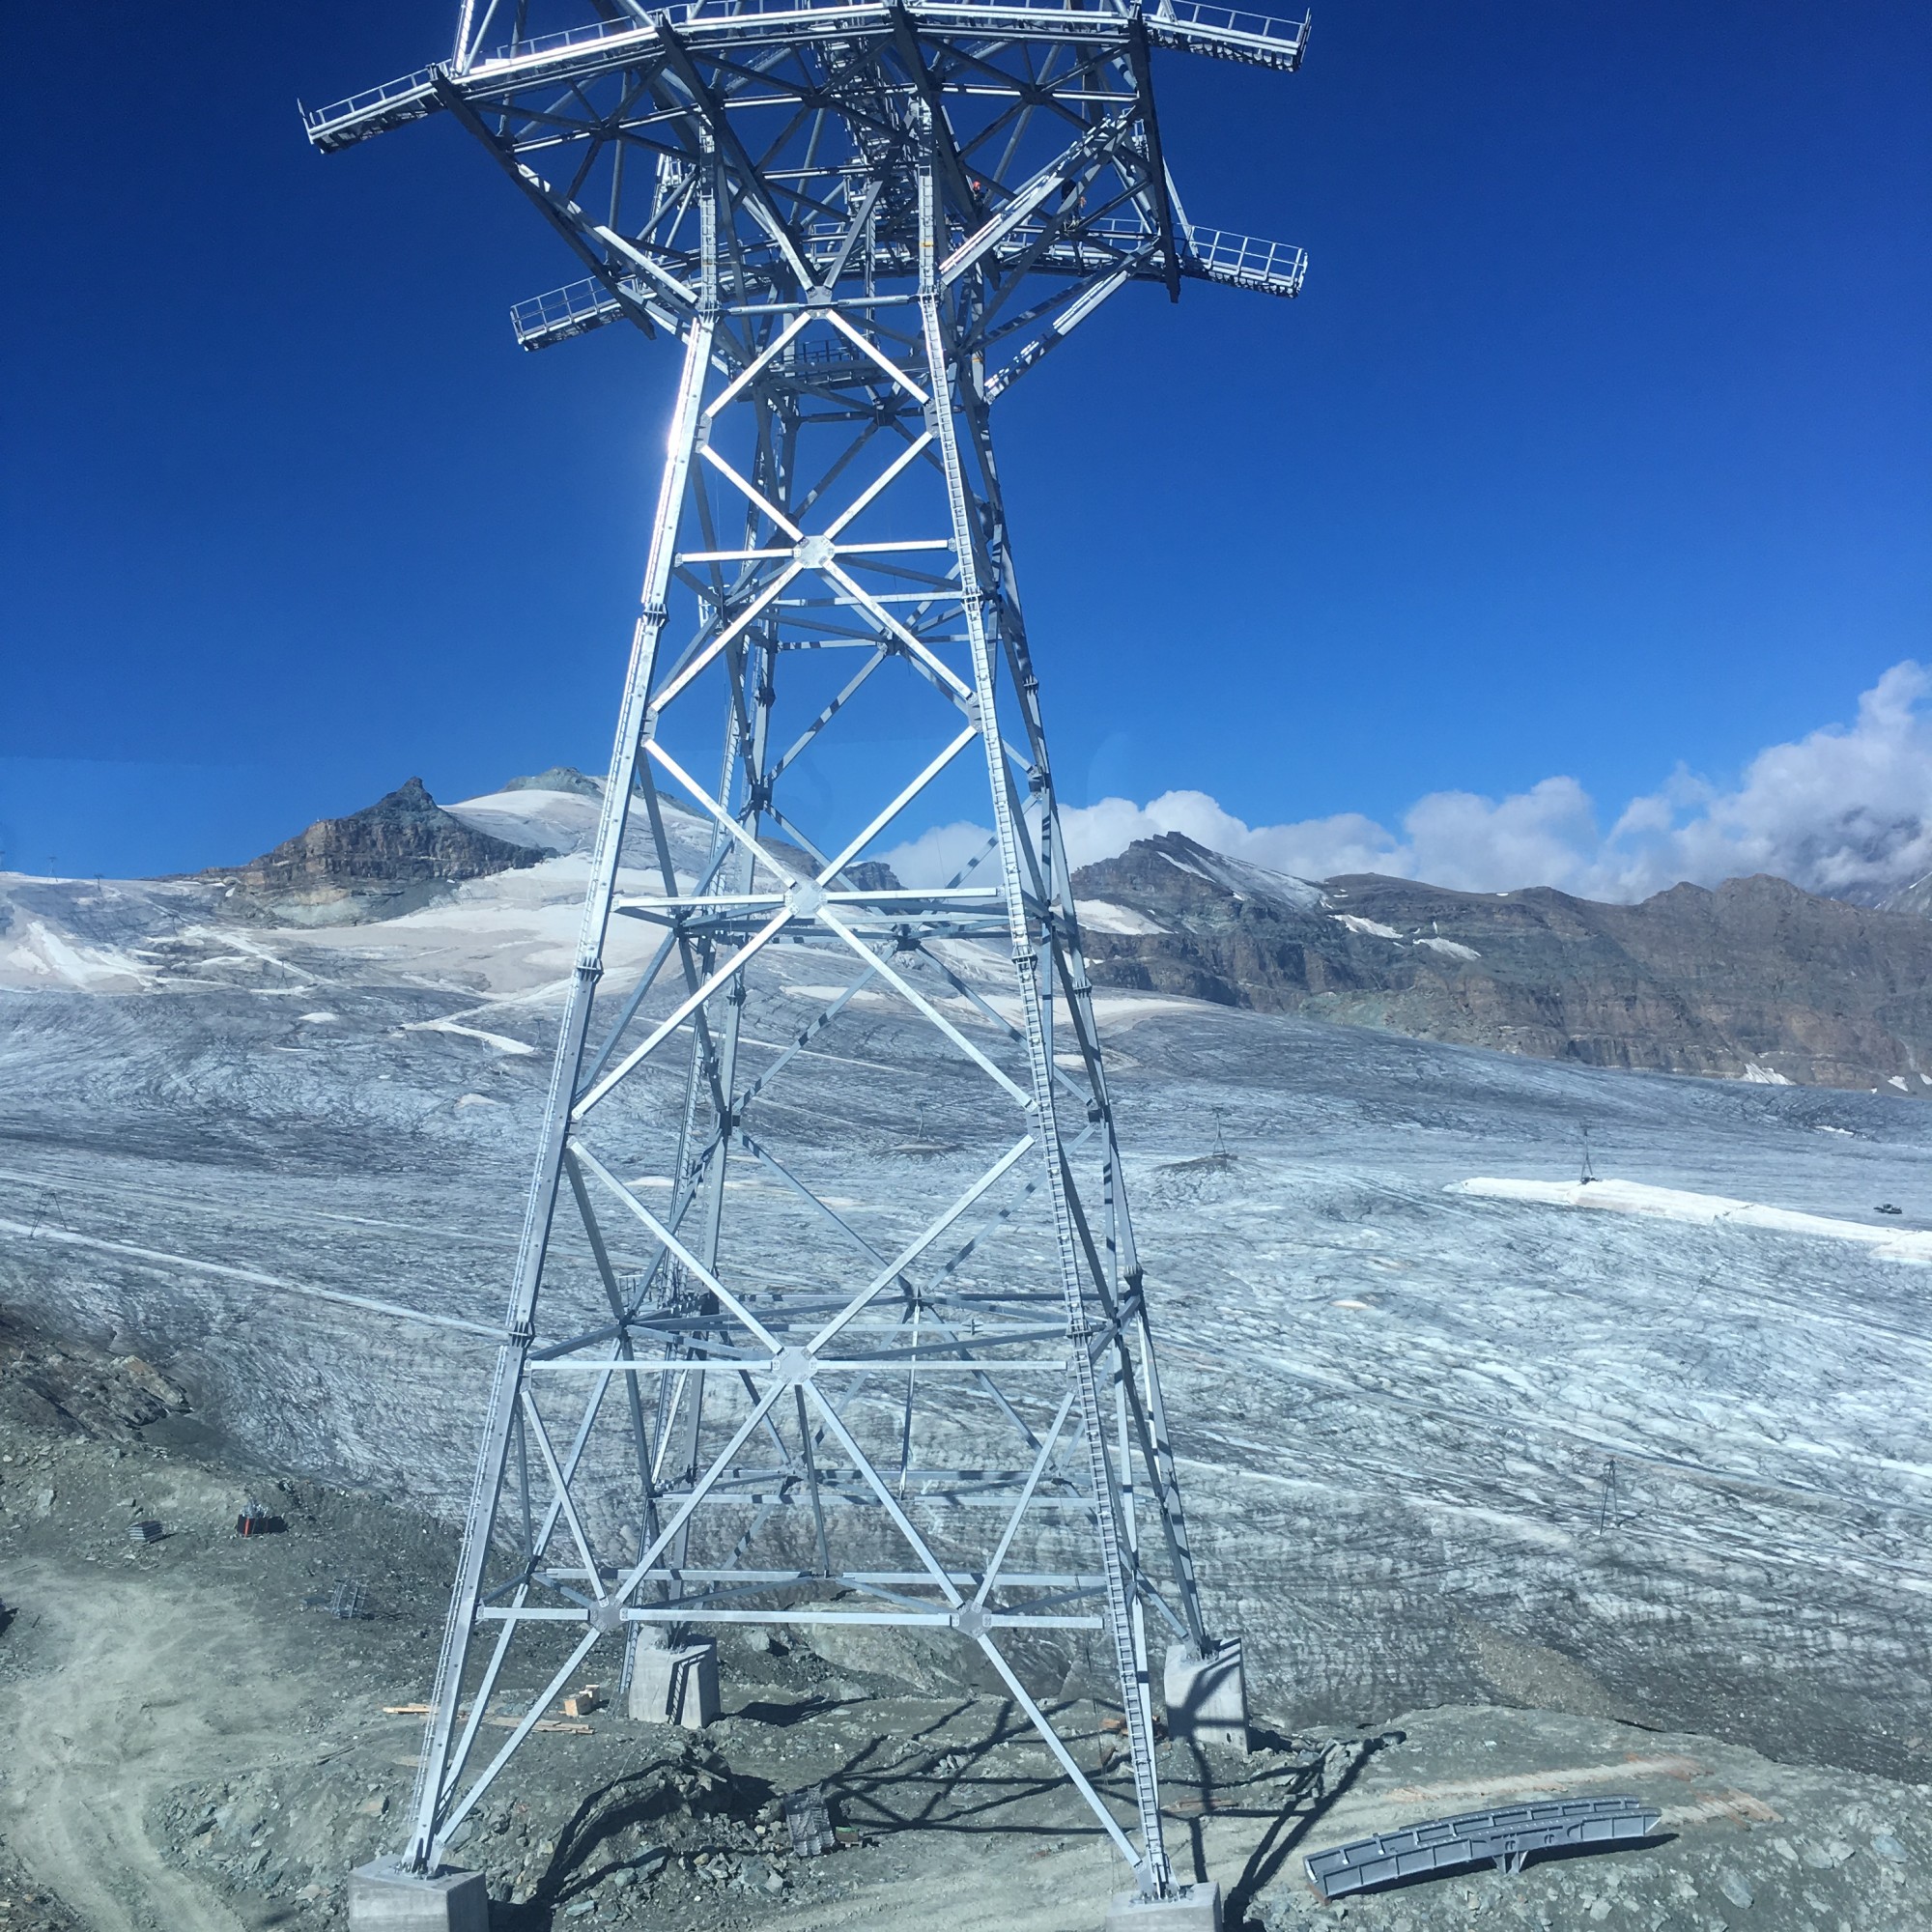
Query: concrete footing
{"points": [[1194, 1908], [1206, 1696], [383, 1896], [674, 1687]]}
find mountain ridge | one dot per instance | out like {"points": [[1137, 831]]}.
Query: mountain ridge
{"points": [[1755, 979]]}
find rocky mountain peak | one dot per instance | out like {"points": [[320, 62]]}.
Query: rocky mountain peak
{"points": [[390, 856], [1181, 872]]}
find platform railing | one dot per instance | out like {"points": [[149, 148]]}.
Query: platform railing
{"points": [[1201, 14], [1240, 32], [1247, 260], [571, 310], [342, 119]]}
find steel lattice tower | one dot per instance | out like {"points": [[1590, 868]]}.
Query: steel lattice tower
{"points": [[938, 1405]]}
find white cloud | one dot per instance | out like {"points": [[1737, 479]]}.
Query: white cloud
{"points": [[1530, 839], [1316, 848], [935, 856], [1846, 809]]}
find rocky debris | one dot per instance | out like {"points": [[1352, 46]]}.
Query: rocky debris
{"points": [[75, 1390], [26, 1905], [1755, 981], [666, 1820], [395, 856]]}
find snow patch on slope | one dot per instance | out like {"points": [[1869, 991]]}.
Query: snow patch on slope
{"points": [[565, 823], [1677, 1203], [1249, 882], [1103, 916], [46, 957], [553, 821], [501, 1041]]}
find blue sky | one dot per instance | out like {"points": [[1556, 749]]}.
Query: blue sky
{"points": [[1599, 442]]}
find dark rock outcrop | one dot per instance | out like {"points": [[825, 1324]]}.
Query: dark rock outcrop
{"points": [[1757, 979], [399, 853]]}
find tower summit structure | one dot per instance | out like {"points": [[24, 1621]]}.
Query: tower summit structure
{"points": [[828, 1308]]}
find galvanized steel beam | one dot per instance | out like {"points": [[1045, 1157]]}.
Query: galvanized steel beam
{"points": [[948, 1416]]}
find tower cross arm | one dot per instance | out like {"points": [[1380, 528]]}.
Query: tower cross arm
{"points": [[582, 54], [1208, 255]]}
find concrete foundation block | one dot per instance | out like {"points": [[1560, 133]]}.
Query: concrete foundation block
{"points": [[1206, 1696], [676, 1686], [1194, 1908], [383, 1896]]}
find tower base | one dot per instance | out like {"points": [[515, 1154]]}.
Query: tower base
{"points": [[1206, 1696], [384, 1896], [674, 1687], [1194, 1908]]}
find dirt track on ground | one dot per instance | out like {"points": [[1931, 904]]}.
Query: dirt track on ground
{"points": [[119, 1707]]}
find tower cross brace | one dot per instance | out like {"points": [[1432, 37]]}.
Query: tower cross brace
{"points": [[752, 1371]]}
